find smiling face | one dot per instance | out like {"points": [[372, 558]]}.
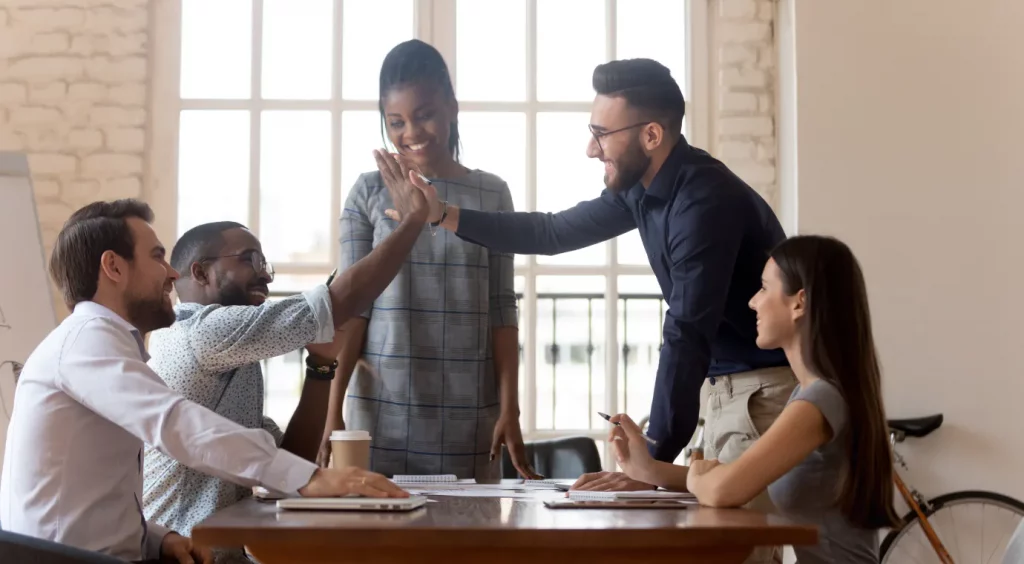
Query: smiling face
{"points": [[778, 313], [419, 120], [148, 285], [616, 142], [237, 275]]}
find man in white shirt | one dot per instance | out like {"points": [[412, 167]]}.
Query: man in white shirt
{"points": [[224, 328], [86, 400]]}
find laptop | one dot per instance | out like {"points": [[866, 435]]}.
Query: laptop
{"points": [[353, 503]]}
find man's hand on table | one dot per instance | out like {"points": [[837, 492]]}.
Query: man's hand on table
{"points": [[333, 482], [180, 550]]}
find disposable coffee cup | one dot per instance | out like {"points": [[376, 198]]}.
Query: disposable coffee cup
{"points": [[350, 448]]}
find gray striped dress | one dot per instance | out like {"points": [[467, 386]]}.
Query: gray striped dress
{"points": [[428, 394]]}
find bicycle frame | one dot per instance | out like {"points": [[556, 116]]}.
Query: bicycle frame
{"points": [[912, 498]]}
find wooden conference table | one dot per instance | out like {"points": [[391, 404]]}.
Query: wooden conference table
{"points": [[462, 530]]}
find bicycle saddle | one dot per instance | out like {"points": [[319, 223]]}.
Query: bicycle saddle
{"points": [[917, 427]]}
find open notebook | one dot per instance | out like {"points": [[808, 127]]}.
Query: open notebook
{"points": [[644, 494], [424, 479]]}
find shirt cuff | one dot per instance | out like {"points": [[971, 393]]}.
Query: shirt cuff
{"points": [[319, 299], [154, 539], [287, 473], [473, 226]]}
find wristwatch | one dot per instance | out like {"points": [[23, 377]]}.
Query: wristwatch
{"points": [[318, 371]]}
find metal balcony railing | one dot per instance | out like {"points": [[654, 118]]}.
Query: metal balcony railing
{"points": [[569, 336]]}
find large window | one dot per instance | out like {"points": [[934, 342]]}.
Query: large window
{"points": [[266, 111]]}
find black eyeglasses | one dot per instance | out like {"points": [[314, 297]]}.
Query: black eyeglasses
{"points": [[255, 258], [599, 133]]}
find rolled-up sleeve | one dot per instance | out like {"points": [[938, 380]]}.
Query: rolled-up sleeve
{"points": [[225, 337], [504, 311]]}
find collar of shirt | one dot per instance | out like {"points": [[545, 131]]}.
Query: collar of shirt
{"points": [[93, 309], [664, 184]]}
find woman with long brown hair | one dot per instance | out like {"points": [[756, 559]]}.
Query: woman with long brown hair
{"points": [[826, 459]]}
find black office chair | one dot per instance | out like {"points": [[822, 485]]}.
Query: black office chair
{"points": [[15, 547], [559, 459]]}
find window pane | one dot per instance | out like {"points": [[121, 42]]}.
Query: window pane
{"points": [[288, 284], [216, 48], [295, 186], [370, 30], [360, 135], [631, 249], [570, 43], [641, 314], [662, 38], [570, 351], [283, 384], [496, 142], [297, 49], [213, 167], [639, 284], [490, 47], [566, 176]]}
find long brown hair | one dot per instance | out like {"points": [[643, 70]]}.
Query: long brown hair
{"points": [[842, 351]]}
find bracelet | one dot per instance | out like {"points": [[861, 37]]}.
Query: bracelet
{"points": [[318, 372], [444, 214], [315, 374]]}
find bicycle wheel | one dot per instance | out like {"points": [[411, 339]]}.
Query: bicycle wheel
{"points": [[974, 526]]}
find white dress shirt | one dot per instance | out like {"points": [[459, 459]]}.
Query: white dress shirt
{"points": [[85, 403], [212, 355]]}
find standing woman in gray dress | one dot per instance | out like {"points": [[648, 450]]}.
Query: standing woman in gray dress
{"points": [[434, 364]]}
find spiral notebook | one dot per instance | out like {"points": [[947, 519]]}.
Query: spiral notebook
{"points": [[615, 496], [424, 479]]}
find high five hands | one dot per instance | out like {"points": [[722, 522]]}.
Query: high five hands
{"points": [[409, 190]]}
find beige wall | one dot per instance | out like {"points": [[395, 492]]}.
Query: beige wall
{"points": [[908, 120], [73, 77]]}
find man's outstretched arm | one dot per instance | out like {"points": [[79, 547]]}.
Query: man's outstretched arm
{"points": [[532, 233]]}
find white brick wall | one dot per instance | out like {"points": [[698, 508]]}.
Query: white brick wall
{"points": [[743, 90], [72, 95]]}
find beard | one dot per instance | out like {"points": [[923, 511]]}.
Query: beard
{"points": [[232, 295], [148, 313], [629, 168]]}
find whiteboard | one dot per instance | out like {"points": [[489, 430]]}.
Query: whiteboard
{"points": [[26, 307]]}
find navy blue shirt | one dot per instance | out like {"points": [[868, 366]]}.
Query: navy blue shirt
{"points": [[707, 235]]}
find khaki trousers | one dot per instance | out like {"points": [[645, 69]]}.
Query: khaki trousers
{"points": [[739, 408]]}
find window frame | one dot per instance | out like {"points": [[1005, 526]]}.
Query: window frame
{"points": [[434, 21]]}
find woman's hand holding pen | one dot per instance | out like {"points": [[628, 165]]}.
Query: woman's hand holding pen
{"points": [[631, 450]]}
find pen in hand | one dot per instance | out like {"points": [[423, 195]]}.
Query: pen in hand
{"points": [[331, 277], [609, 419]]}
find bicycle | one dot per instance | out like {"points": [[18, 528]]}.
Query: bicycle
{"points": [[944, 520], [933, 527]]}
